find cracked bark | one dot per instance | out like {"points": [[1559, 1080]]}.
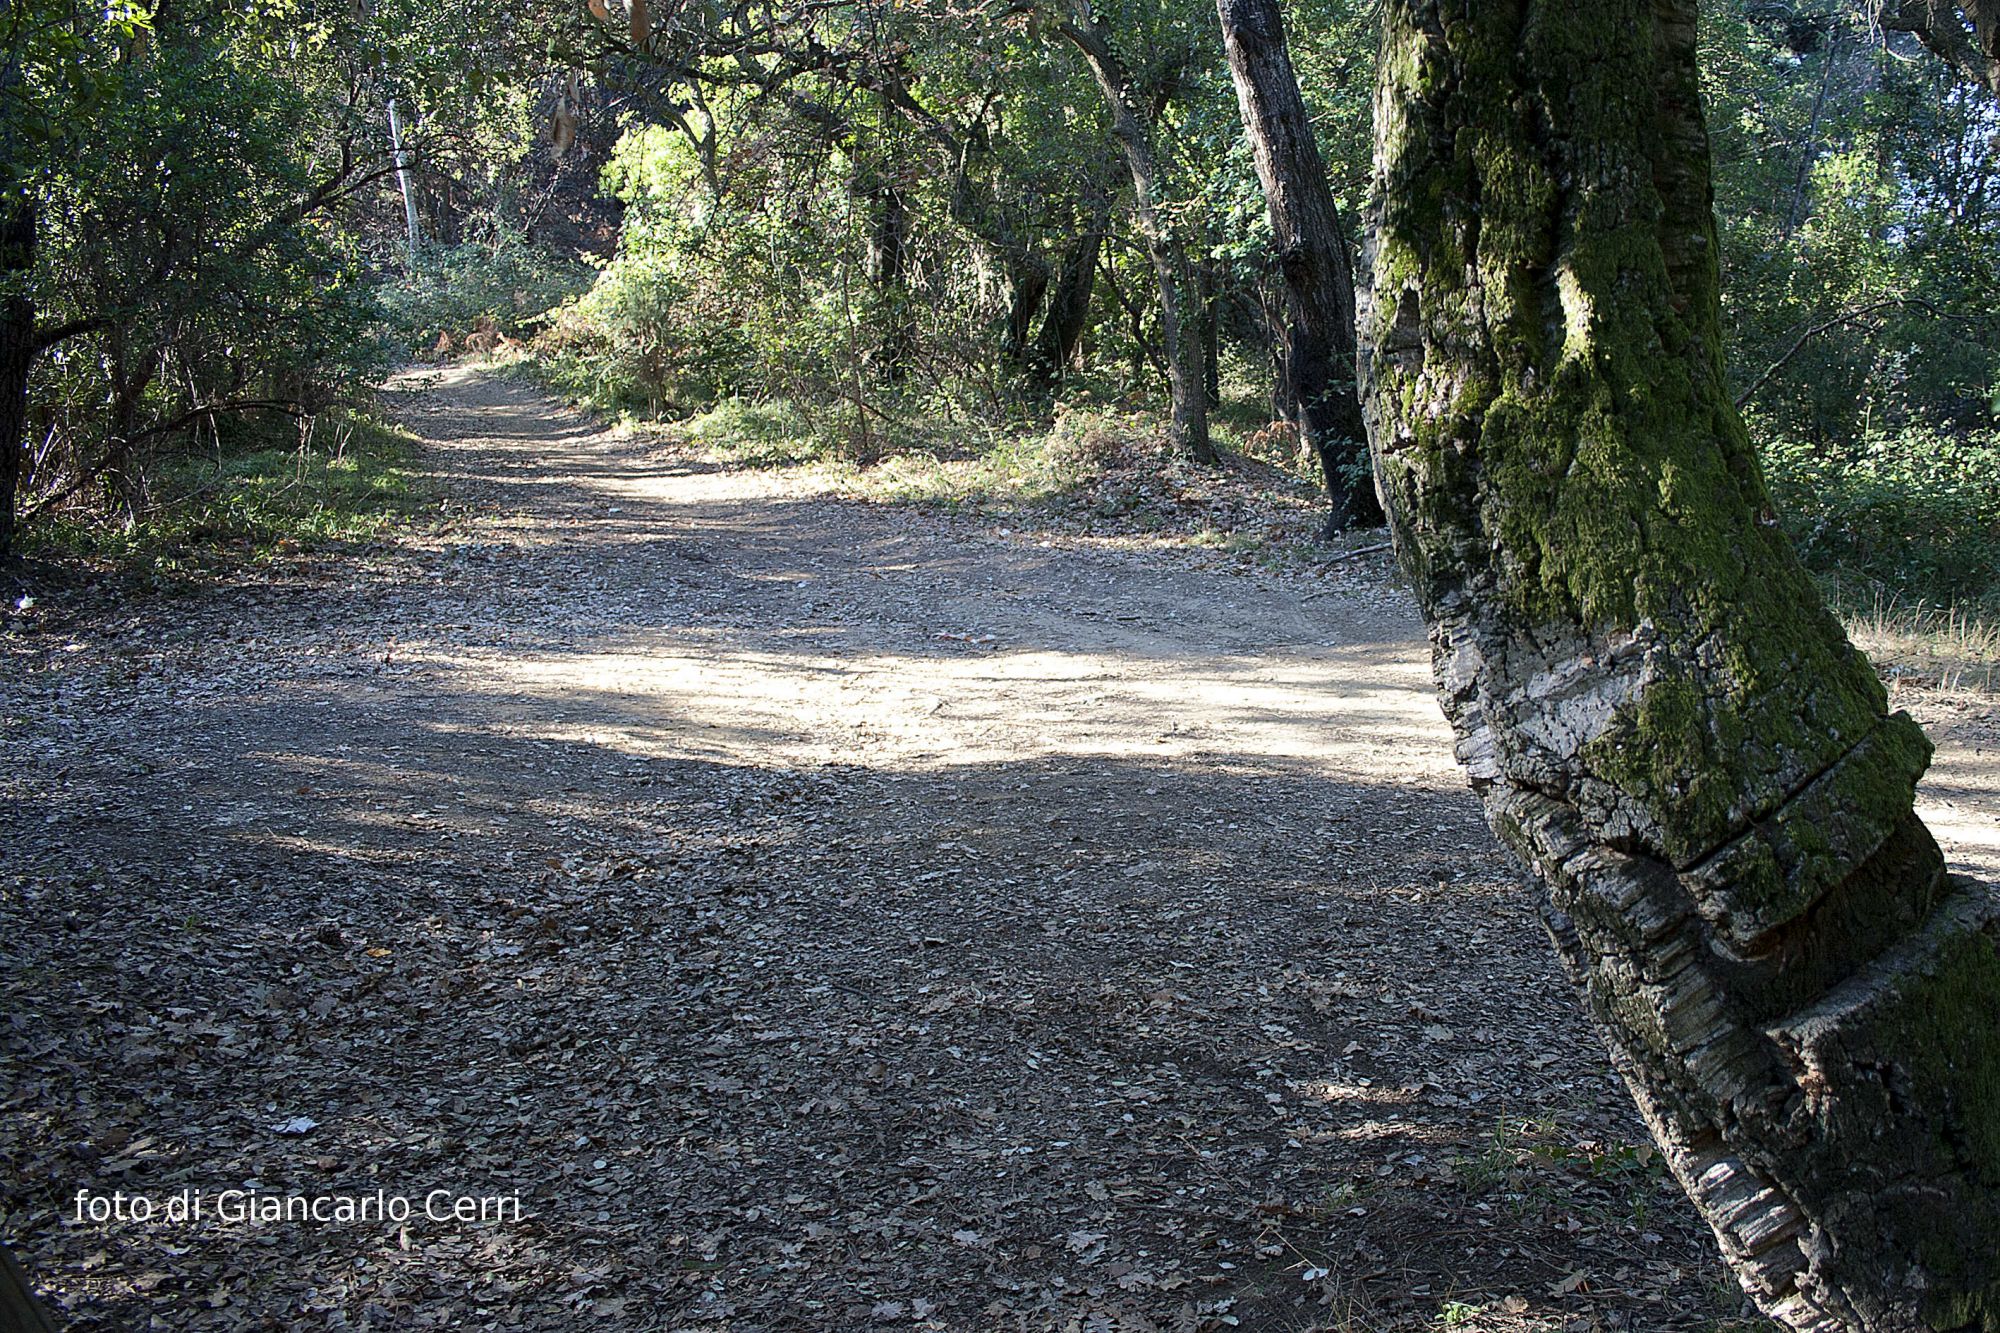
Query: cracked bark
{"points": [[1657, 712]]}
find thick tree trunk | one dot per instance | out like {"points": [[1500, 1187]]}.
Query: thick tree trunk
{"points": [[1312, 252], [1187, 433], [1657, 711], [17, 353], [1028, 286]]}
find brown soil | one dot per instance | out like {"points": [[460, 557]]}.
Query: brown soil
{"points": [[821, 916]]}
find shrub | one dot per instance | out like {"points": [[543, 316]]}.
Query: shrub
{"points": [[1916, 513], [451, 288], [273, 487]]}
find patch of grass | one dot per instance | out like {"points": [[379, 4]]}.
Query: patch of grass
{"points": [[765, 433], [1532, 1163], [929, 460], [1457, 1314], [1098, 469], [1951, 648], [1076, 461], [269, 492]]}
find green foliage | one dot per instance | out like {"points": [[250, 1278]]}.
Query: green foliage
{"points": [[271, 490], [1853, 190], [758, 288], [185, 248], [451, 289], [705, 297], [1916, 513], [1857, 237], [193, 173], [62, 62]]}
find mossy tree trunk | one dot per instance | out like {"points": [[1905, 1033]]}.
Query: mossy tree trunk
{"points": [[1312, 254], [1657, 711]]}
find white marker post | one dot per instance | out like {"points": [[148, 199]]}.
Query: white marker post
{"points": [[403, 177]]}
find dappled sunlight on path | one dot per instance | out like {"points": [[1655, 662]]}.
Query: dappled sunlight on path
{"points": [[808, 909]]}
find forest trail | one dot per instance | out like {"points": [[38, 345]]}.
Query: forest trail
{"points": [[821, 916]]}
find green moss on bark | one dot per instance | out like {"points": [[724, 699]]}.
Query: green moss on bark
{"points": [[1662, 715], [1567, 437]]}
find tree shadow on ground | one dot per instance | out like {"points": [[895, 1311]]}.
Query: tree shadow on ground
{"points": [[820, 919], [819, 1047]]}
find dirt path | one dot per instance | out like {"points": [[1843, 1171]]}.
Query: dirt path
{"points": [[819, 917]]}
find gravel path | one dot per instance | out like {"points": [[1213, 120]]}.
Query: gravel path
{"points": [[788, 914]]}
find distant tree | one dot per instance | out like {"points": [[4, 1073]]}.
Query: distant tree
{"points": [[1312, 252], [1652, 703], [1173, 275]]}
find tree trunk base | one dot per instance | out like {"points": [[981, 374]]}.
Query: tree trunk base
{"points": [[20, 1312]]}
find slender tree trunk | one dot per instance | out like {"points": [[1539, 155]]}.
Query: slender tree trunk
{"points": [[888, 265], [403, 181], [1210, 290], [1188, 433], [1068, 308], [1658, 713], [1276, 308], [1141, 349], [1312, 253], [17, 352], [128, 388]]}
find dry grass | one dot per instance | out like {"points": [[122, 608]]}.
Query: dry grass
{"points": [[1952, 649]]}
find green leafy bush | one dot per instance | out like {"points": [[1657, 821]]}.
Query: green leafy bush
{"points": [[708, 297], [273, 487], [1916, 513], [651, 336], [177, 255], [451, 288]]}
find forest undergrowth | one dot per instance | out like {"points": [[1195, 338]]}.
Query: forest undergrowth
{"points": [[266, 492]]}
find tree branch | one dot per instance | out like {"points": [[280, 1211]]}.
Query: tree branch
{"points": [[75, 328], [1800, 343]]}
